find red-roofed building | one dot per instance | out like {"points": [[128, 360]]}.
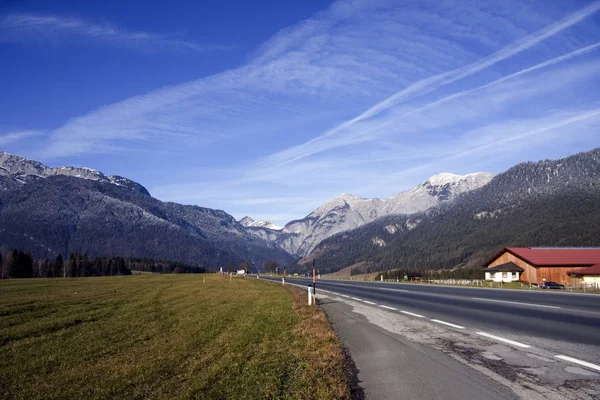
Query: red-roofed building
{"points": [[549, 264], [590, 275]]}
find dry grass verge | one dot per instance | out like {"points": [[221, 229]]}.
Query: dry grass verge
{"points": [[320, 359]]}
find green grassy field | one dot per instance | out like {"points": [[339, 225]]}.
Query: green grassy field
{"points": [[164, 336]]}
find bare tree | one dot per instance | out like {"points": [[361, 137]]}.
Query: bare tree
{"points": [[271, 266]]}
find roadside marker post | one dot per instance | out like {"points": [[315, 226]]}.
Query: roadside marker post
{"points": [[283, 279], [314, 278], [309, 295]]}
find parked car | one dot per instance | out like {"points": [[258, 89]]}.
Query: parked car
{"points": [[552, 285]]}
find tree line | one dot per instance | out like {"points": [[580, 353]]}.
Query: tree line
{"points": [[457, 273], [19, 264]]}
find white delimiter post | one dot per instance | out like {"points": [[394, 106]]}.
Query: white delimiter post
{"points": [[309, 295]]}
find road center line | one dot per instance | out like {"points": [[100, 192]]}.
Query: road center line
{"points": [[515, 302], [501, 339], [448, 323], [370, 302], [413, 314], [389, 308], [576, 361]]}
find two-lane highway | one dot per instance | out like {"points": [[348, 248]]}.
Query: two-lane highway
{"points": [[565, 323]]}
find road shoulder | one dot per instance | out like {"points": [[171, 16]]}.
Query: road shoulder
{"points": [[391, 367]]}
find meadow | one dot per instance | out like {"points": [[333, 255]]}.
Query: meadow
{"points": [[165, 336]]}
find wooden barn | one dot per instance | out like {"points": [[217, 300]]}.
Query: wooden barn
{"points": [[544, 264]]}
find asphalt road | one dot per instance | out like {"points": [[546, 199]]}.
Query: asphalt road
{"points": [[392, 367], [564, 323]]}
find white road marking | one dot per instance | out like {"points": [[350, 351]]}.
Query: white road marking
{"points": [[370, 302], [389, 308], [413, 314], [354, 298], [576, 361], [448, 323], [344, 295], [337, 294], [395, 290], [501, 339], [516, 302]]}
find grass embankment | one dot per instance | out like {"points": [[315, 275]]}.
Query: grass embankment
{"points": [[164, 336]]}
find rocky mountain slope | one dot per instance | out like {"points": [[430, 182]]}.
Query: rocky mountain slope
{"points": [[348, 212], [19, 170], [548, 203], [60, 210]]}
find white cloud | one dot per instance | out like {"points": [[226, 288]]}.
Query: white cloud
{"points": [[11, 137], [21, 27]]}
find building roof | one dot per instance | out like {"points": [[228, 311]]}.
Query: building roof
{"points": [[593, 270], [553, 256], [508, 267]]}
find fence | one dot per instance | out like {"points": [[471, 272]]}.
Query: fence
{"points": [[585, 286]]}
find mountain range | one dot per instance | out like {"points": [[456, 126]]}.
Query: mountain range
{"points": [[348, 212], [51, 211], [447, 220]]}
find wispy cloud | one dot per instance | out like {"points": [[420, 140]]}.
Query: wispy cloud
{"points": [[427, 85], [367, 97], [11, 137], [44, 28]]}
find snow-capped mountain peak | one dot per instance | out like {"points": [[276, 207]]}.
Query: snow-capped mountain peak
{"points": [[446, 178], [249, 222]]}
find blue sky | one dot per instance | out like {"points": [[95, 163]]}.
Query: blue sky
{"points": [[269, 109]]}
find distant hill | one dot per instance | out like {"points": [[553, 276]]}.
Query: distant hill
{"points": [[48, 211], [548, 203]]}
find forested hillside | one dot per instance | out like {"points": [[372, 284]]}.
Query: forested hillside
{"points": [[551, 203]]}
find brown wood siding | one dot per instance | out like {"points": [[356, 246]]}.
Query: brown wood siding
{"points": [[557, 273]]}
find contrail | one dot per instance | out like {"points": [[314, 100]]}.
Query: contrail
{"points": [[541, 65], [427, 85]]}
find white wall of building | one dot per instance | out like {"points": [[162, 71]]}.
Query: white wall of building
{"points": [[592, 279], [502, 276]]}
